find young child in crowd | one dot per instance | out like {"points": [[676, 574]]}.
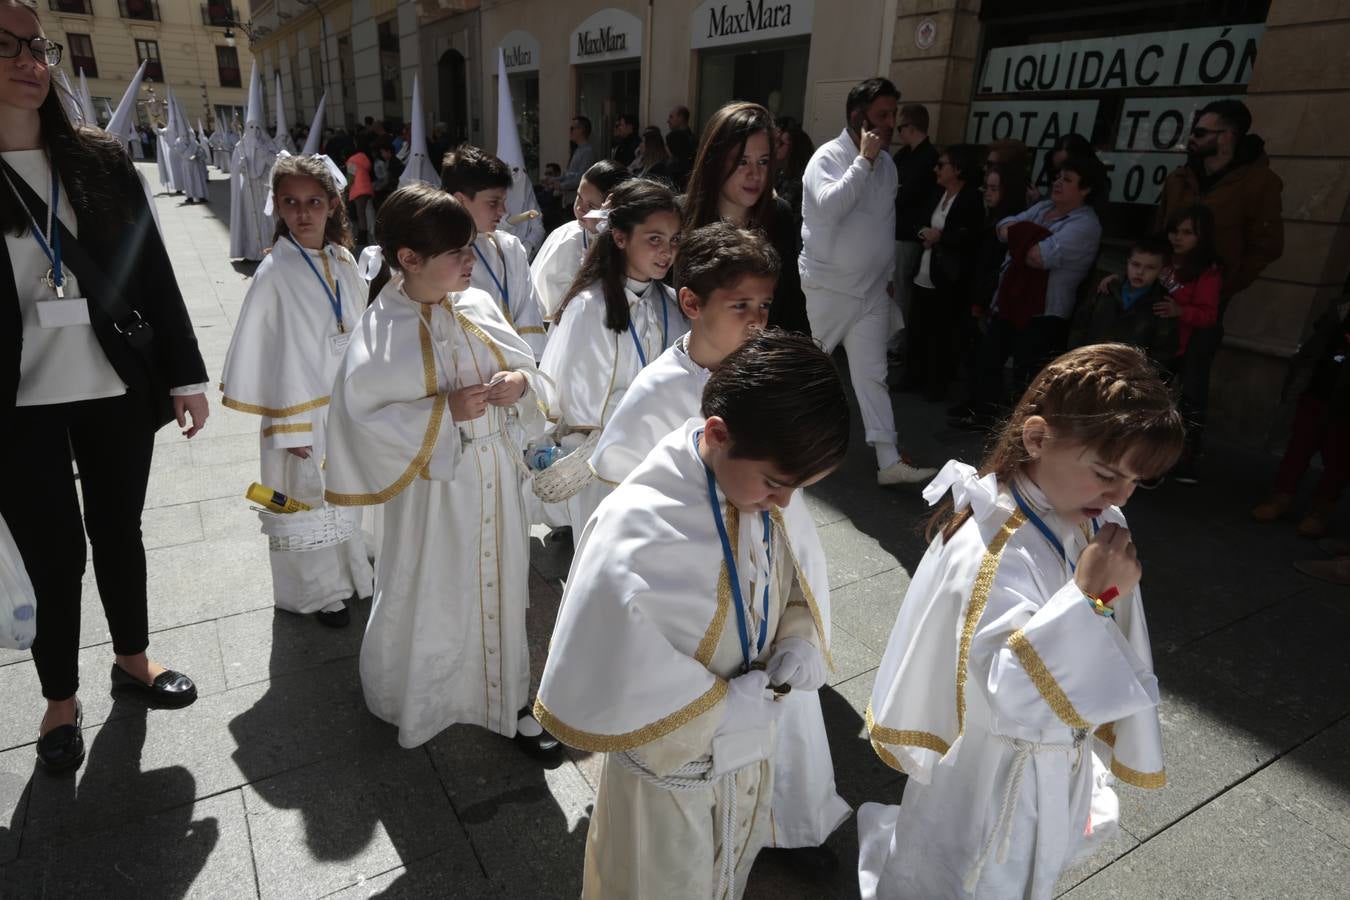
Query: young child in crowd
{"points": [[1320, 378], [616, 318], [300, 310], [1021, 651], [649, 664], [1126, 311], [427, 411], [564, 250], [727, 277], [480, 181]]}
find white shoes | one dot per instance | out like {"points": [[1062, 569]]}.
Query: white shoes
{"points": [[902, 472]]}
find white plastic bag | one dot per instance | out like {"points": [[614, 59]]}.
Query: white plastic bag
{"points": [[18, 603]]}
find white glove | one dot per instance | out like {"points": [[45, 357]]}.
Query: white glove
{"points": [[797, 662], [749, 705]]}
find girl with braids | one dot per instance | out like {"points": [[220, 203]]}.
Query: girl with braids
{"points": [[1018, 678], [616, 318], [299, 313], [98, 354]]}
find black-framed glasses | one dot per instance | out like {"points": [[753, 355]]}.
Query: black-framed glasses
{"points": [[43, 50], [1199, 132]]}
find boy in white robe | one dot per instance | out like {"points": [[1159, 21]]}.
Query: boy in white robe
{"points": [[727, 277], [480, 182], [556, 264], [693, 601], [1021, 652], [433, 402], [303, 303]]}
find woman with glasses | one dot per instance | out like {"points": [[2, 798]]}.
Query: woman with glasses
{"points": [[950, 238], [99, 354]]}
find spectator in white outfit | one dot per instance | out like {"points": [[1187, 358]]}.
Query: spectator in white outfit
{"points": [[848, 257]]}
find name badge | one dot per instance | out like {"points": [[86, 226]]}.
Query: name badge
{"points": [[61, 313], [337, 343]]}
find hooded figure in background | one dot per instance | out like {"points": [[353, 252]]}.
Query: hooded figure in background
{"points": [[250, 167]]}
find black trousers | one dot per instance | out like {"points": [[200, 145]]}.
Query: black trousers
{"points": [[1045, 338], [935, 338], [112, 440]]}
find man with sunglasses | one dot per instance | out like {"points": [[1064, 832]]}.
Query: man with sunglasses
{"points": [[1227, 170]]}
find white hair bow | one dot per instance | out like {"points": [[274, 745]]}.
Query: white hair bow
{"points": [[601, 219], [370, 262], [968, 489]]}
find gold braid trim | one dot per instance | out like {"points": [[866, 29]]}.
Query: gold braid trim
{"points": [[530, 329], [428, 357], [296, 428], [880, 734], [1107, 734], [272, 413], [473, 329], [777, 517], [713, 636], [979, 596], [1147, 780], [611, 743], [1045, 682], [419, 461]]}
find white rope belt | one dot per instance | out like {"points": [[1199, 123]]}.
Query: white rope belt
{"points": [[467, 440], [697, 776], [1012, 792]]}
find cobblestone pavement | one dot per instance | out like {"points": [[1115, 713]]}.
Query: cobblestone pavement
{"points": [[278, 783]]}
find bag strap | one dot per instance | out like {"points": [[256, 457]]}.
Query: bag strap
{"points": [[94, 283]]}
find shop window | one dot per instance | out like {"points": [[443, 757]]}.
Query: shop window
{"points": [[770, 74], [227, 64], [148, 52], [82, 54]]}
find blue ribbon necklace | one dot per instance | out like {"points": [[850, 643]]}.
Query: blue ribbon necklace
{"points": [[334, 299], [734, 577], [51, 242], [502, 290], [1045, 529], [665, 324]]}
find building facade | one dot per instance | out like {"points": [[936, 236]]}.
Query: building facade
{"points": [[185, 43], [1128, 76]]}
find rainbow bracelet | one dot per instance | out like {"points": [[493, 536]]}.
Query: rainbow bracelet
{"points": [[1099, 606]]}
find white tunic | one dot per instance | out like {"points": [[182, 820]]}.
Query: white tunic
{"points": [[280, 365], [502, 269], [164, 159], [193, 156], [806, 806], [251, 162], [446, 640], [642, 651], [220, 153], [557, 263], [589, 366], [1003, 780]]}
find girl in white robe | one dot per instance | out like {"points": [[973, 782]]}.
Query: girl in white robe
{"points": [[1028, 596], [727, 277], [433, 403], [556, 264], [616, 317], [693, 591], [298, 315]]}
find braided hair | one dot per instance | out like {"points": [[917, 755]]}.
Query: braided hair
{"points": [[1108, 397]]}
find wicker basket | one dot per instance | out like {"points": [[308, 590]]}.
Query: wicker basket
{"points": [[312, 529], [566, 477]]}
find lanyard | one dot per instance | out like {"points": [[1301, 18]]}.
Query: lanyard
{"points": [[1045, 529], [334, 300], [51, 242], [502, 290], [734, 577], [632, 331], [585, 241]]}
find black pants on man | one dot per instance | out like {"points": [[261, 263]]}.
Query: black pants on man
{"points": [[112, 440], [1031, 348]]}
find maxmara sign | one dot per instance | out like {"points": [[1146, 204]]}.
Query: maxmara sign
{"points": [[718, 23], [521, 52], [607, 35]]}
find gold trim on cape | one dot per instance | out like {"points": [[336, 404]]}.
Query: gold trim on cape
{"points": [[979, 596], [1045, 682], [1147, 780], [473, 329], [880, 735], [291, 428], [777, 516], [611, 743], [713, 636], [272, 413]]}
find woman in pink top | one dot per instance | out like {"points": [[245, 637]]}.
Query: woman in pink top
{"points": [[360, 190]]}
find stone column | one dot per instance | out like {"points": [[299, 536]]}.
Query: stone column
{"points": [[942, 76], [1298, 96]]}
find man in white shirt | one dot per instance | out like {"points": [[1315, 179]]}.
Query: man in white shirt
{"points": [[847, 259]]}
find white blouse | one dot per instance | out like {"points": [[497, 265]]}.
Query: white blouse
{"points": [[924, 277], [58, 365]]}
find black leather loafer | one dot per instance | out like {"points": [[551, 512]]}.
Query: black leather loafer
{"points": [[542, 746], [62, 748], [338, 618], [171, 690]]}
